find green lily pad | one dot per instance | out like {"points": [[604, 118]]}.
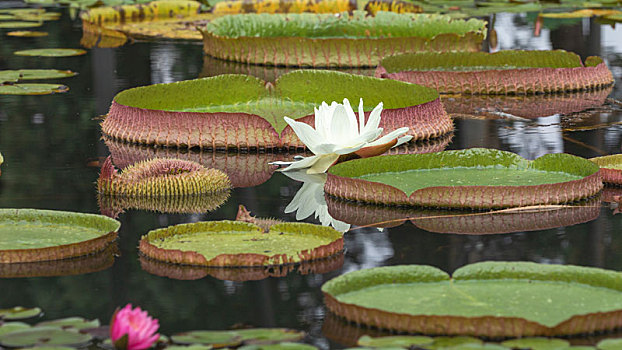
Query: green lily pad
{"points": [[503, 72], [472, 178], [449, 342], [51, 52], [328, 40], [20, 24], [33, 74], [32, 89], [52, 235], [6, 17], [481, 299], [400, 341], [9, 327], [484, 346], [43, 336], [234, 244], [610, 344], [27, 33], [76, 323], [46, 347], [19, 313], [254, 110], [269, 335], [610, 168], [279, 346], [216, 339], [190, 347], [537, 343]]}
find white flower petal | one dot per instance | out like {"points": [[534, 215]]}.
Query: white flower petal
{"points": [[305, 133], [402, 140], [323, 163], [342, 127], [303, 163], [389, 137], [374, 118], [361, 116]]}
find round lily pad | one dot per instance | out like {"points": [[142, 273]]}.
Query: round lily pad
{"points": [[52, 235], [51, 52], [216, 339], [190, 347], [503, 72], [449, 342], [238, 111], [20, 24], [466, 221], [43, 336], [32, 89], [9, 327], [493, 299], [19, 313], [33, 74], [74, 323], [279, 346], [609, 344], [27, 33], [269, 335], [610, 168], [400, 341], [329, 40], [232, 243], [472, 178], [537, 343]]}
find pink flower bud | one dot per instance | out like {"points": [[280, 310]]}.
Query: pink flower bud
{"points": [[133, 329]]}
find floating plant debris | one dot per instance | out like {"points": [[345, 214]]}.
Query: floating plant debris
{"points": [[52, 235], [610, 168], [532, 297], [533, 218], [238, 111], [237, 244], [328, 40], [161, 178], [27, 33], [51, 52], [503, 72], [472, 178]]}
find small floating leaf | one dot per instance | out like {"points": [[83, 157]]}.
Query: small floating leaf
{"points": [[6, 17], [269, 335], [43, 336], [400, 341], [20, 24], [51, 52], [9, 327], [32, 89], [448, 342], [217, 339], [189, 347], [27, 33], [76, 323], [33, 74], [610, 344], [279, 346], [19, 313], [537, 343]]}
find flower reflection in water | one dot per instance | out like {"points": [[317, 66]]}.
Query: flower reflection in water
{"points": [[310, 200]]}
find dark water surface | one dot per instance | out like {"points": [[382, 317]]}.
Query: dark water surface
{"points": [[52, 145]]}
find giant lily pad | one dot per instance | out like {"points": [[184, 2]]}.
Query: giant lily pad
{"points": [[29, 235], [234, 7], [494, 299], [327, 40], [466, 222], [43, 336], [238, 111], [503, 72], [610, 168], [230, 243], [472, 178]]}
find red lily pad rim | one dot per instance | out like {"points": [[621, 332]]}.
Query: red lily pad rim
{"points": [[487, 326], [610, 176]]}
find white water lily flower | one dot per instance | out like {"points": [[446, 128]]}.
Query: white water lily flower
{"points": [[310, 200], [337, 132]]}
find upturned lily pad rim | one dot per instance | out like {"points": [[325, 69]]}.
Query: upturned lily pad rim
{"points": [[487, 326], [107, 226], [342, 181], [610, 175], [189, 257]]}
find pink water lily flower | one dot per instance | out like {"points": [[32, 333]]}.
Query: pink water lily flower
{"points": [[338, 133], [133, 329]]}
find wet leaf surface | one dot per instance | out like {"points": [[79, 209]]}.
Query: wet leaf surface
{"points": [[32, 89], [51, 52]]}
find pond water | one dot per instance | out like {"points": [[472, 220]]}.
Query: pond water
{"points": [[52, 147]]}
